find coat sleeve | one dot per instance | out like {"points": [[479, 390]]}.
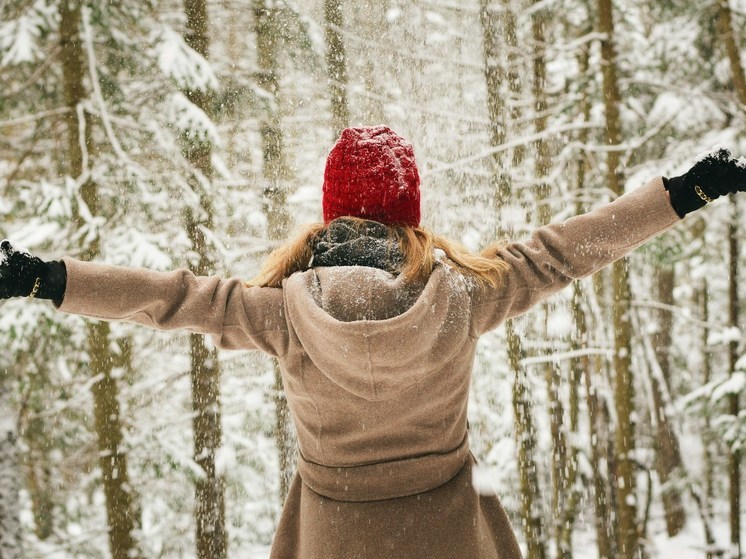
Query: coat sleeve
{"points": [[559, 253], [236, 316]]}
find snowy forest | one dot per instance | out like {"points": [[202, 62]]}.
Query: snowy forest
{"points": [[193, 134]]}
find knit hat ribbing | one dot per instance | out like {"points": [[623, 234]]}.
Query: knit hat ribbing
{"points": [[371, 174]]}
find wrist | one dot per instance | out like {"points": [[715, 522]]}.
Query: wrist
{"points": [[686, 196], [53, 282]]}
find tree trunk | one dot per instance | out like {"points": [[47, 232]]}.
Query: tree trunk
{"points": [[212, 538], [586, 368], [121, 509], [662, 339], [601, 448], [525, 432], [539, 18], [370, 21], [211, 532], [708, 435], [493, 21], [583, 368], [120, 505], [734, 456], [515, 55], [34, 429], [276, 174], [39, 479], [494, 75], [336, 63], [667, 461], [733, 50], [562, 488], [10, 478], [734, 460], [624, 380], [667, 455]]}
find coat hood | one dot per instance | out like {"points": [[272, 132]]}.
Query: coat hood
{"points": [[371, 333]]}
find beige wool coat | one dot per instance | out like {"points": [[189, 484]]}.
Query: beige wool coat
{"points": [[377, 376]]}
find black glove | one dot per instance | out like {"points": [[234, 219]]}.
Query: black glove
{"points": [[22, 275], [713, 176]]}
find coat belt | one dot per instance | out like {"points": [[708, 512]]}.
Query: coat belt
{"points": [[384, 480]]}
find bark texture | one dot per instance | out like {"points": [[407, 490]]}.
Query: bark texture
{"points": [[623, 375], [336, 63], [275, 178], [495, 75], [121, 509], [667, 453], [734, 459], [734, 405], [10, 479], [728, 35], [211, 532]]}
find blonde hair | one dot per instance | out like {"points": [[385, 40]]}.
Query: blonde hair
{"points": [[418, 245]]}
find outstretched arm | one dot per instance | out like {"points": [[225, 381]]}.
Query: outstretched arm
{"points": [[235, 316], [559, 253]]}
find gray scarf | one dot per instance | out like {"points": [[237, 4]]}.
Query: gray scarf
{"points": [[347, 244]]}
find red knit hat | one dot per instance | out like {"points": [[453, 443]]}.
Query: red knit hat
{"points": [[371, 173]]}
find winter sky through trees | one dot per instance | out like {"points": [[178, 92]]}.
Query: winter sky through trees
{"points": [[193, 134]]}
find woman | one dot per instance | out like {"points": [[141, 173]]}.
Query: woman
{"points": [[375, 322]]}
